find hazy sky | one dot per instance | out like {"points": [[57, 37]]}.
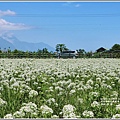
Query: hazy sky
{"points": [[78, 25]]}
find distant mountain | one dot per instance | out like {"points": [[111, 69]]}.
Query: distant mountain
{"points": [[13, 43], [5, 44]]}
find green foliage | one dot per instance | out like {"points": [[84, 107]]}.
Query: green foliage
{"points": [[61, 47], [116, 47], [44, 53], [82, 83]]}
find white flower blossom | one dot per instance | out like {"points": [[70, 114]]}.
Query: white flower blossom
{"points": [[90, 82], [116, 116], [29, 108], [33, 93], [95, 104], [68, 111], [19, 114], [46, 110], [55, 116], [95, 94], [88, 114], [72, 92], [2, 102], [51, 100], [114, 94], [8, 116], [118, 107]]}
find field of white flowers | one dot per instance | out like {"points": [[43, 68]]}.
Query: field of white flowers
{"points": [[60, 88]]}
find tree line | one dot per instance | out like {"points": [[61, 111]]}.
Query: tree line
{"points": [[8, 53], [113, 52]]}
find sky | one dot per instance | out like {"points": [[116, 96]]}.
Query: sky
{"points": [[78, 25]]}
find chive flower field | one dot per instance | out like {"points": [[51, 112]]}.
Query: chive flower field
{"points": [[60, 88]]}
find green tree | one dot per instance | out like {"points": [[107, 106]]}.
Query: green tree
{"points": [[15, 53], [60, 47], [9, 52], [0, 50], [89, 54], [39, 53], [45, 50], [81, 52], [115, 47]]}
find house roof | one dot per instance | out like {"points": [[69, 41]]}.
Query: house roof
{"points": [[100, 49]]}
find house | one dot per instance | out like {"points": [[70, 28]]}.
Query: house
{"points": [[67, 54], [101, 49]]}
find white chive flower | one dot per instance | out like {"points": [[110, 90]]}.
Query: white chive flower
{"points": [[88, 114], [33, 93], [8, 116], [46, 110]]}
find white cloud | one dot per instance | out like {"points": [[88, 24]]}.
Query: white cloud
{"points": [[7, 36], [8, 12], [2, 33], [6, 26], [67, 4], [6, 33], [71, 4], [77, 5]]}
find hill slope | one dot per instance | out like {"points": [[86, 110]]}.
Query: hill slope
{"points": [[14, 43]]}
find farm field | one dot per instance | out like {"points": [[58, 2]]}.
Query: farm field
{"points": [[60, 88]]}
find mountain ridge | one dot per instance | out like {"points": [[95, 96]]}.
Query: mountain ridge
{"points": [[14, 43]]}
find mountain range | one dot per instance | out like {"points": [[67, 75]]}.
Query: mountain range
{"points": [[12, 42]]}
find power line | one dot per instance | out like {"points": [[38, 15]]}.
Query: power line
{"points": [[78, 29], [68, 15]]}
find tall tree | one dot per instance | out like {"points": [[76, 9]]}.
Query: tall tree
{"points": [[115, 47], [81, 52], [61, 47], [45, 50], [0, 50]]}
